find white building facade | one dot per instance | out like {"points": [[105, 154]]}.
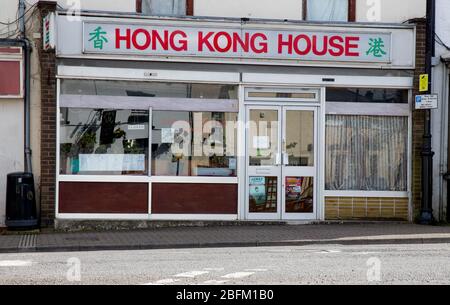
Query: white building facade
{"points": [[337, 121]]}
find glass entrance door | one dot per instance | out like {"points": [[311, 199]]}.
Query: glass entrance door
{"points": [[281, 162]]}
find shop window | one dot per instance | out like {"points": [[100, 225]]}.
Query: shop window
{"points": [[329, 10], [366, 153], [148, 89], [186, 143], [103, 141], [365, 95], [165, 7]]}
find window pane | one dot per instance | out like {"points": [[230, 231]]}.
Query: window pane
{"points": [[148, 89], [164, 7], [300, 137], [366, 95], [263, 137], [263, 194], [327, 10], [299, 195], [103, 141], [366, 153], [188, 143]]}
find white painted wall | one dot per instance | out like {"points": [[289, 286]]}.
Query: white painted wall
{"points": [[11, 147], [389, 10], [366, 10], [440, 118], [101, 5], [279, 9], [8, 11]]}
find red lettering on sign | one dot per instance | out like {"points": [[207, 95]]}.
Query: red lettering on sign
{"points": [[222, 37], [297, 44], [163, 41], [349, 45], [336, 46], [260, 47], [307, 44], [180, 44], [204, 40], [126, 37], [146, 39], [244, 44], [282, 43], [324, 46]]}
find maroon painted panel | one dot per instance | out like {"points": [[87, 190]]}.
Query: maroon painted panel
{"points": [[9, 77], [10, 50], [103, 197], [194, 198]]}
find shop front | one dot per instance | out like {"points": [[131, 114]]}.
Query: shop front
{"points": [[196, 119]]}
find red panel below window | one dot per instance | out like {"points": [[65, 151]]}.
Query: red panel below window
{"points": [[194, 198], [103, 197], [9, 77]]}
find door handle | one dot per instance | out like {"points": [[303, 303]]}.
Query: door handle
{"points": [[285, 159], [278, 160]]}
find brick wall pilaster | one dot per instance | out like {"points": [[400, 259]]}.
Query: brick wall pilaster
{"points": [[418, 118], [48, 123]]}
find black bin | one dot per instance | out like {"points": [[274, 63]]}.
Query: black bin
{"points": [[20, 201]]}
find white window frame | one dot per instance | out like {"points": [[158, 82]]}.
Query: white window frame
{"points": [[376, 109], [242, 80], [179, 76]]}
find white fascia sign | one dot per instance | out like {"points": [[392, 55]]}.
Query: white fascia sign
{"points": [[237, 42]]}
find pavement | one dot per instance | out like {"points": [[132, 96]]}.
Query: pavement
{"points": [[226, 236]]}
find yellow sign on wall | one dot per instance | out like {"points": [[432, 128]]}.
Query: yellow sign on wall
{"points": [[423, 84]]}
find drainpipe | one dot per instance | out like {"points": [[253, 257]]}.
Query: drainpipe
{"points": [[27, 106], [426, 212]]}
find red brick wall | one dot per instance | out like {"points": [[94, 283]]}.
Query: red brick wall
{"points": [[418, 119], [48, 123]]}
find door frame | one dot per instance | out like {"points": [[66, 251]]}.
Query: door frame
{"points": [[310, 170], [274, 170], [318, 106]]}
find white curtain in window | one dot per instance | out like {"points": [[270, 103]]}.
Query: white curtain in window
{"points": [[164, 7], [366, 153], [327, 10]]}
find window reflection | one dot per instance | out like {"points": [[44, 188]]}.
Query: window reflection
{"points": [[263, 137], [149, 89], [103, 141], [186, 143], [300, 137], [367, 95]]}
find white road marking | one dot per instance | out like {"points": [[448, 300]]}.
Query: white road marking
{"points": [[257, 270], [237, 275], [163, 282], [214, 282], [167, 281], [191, 274], [328, 251], [16, 263]]}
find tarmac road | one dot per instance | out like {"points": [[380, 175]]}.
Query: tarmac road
{"points": [[322, 264]]}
